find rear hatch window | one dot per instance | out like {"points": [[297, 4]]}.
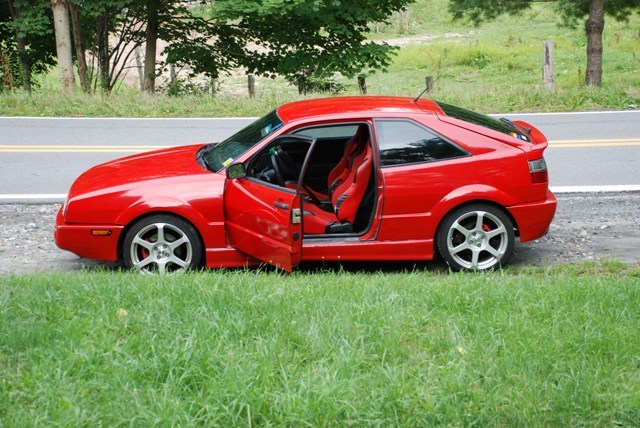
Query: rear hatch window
{"points": [[502, 125]]}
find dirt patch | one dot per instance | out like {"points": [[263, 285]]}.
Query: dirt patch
{"points": [[420, 39], [586, 227]]}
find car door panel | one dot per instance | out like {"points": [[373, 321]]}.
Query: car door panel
{"points": [[258, 221], [264, 220]]}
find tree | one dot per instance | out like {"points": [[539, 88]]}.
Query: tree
{"points": [[78, 40], [307, 39], [63, 45], [119, 26], [329, 37], [25, 40], [114, 29], [21, 47], [572, 11], [201, 44]]}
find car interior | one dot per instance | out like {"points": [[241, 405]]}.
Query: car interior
{"points": [[338, 186]]}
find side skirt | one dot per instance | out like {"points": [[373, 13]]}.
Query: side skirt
{"points": [[367, 250]]}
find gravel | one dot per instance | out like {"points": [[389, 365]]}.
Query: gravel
{"points": [[587, 227]]}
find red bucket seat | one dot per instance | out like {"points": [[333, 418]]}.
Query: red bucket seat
{"points": [[346, 198]]}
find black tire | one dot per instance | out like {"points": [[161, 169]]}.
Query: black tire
{"points": [[162, 244], [475, 237]]}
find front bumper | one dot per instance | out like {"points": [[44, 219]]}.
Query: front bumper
{"points": [[533, 219], [78, 239]]}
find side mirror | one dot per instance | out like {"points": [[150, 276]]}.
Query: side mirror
{"points": [[236, 170]]}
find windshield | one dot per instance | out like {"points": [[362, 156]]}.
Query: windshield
{"points": [[223, 154], [500, 125]]}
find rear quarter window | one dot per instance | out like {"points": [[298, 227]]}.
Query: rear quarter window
{"points": [[403, 142]]}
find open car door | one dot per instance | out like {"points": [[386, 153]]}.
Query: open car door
{"points": [[264, 220]]}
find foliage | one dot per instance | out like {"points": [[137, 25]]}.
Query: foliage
{"points": [[30, 20], [203, 46], [570, 10], [537, 347], [304, 39], [112, 30], [330, 38]]}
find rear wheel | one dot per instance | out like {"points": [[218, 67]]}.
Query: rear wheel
{"points": [[475, 237], [162, 244]]}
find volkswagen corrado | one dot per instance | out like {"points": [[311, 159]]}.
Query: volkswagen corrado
{"points": [[335, 179]]}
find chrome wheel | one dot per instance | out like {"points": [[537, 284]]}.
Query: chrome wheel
{"points": [[476, 237], [162, 245]]}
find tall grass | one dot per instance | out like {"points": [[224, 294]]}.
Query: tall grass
{"points": [[555, 347]]}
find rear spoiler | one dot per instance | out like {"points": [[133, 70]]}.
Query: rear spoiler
{"points": [[538, 140]]}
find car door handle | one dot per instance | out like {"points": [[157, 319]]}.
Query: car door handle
{"points": [[281, 205]]}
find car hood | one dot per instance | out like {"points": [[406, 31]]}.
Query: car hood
{"points": [[124, 172]]}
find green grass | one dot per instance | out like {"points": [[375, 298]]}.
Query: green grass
{"points": [[535, 347], [495, 67]]}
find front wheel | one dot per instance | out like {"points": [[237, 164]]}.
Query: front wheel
{"points": [[162, 244], [475, 237]]}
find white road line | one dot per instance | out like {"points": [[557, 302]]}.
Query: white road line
{"points": [[596, 189], [32, 196], [572, 113]]}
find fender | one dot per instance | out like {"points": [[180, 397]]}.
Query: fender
{"points": [[212, 231], [468, 194]]}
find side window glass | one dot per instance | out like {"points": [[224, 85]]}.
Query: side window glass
{"points": [[405, 142]]}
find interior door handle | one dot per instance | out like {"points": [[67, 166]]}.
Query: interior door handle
{"points": [[281, 205]]}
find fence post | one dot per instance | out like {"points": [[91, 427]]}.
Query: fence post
{"points": [[139, 66], [429, 84], [547, 65], [172, 73], [252, 85]]}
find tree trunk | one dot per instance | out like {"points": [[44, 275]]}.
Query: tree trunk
{"points": [[102, 36], [79, 44], [150, 48], [595, 27], [63, 45], [25, 64]]}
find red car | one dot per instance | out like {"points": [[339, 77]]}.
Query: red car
{"points": [[336, 179]]}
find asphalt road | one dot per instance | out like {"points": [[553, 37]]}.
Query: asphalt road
{"points": [[40, 157]]}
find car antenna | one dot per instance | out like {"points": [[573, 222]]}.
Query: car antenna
{"points": [[415, 100]]}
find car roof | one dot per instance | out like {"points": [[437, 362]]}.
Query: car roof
{"points": [[361, 104]]}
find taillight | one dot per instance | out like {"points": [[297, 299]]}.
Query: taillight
{"points": [[538, 170]]}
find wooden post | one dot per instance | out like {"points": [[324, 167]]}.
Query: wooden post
{"points": [[408, 19], [172, 73], [214, 86], [252, 85], [429, 84], [547, 65], [362, 84], [139, 66]]}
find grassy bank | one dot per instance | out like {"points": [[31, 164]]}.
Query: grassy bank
{"points": [[556, 346], [492, 68]]}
